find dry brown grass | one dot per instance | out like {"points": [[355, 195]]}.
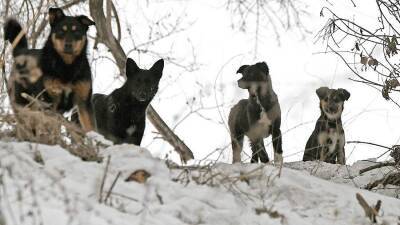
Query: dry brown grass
{"points": [[50, 128]]}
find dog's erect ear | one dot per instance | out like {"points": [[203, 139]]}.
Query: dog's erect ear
{"points": [[158, 67], [322, 92], [131, 68], [263, 66], [242, 68], [55, 15], [344, 94], [85, 21]]}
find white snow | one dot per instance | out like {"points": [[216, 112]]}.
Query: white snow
{"points": [[65, 190]]}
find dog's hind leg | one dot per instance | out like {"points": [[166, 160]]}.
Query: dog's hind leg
{"points": [[237, 146]]}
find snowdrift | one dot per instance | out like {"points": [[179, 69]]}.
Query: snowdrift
{"points": [[42, 184]]}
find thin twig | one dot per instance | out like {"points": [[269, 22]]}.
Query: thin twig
{"points": [[104, 179], [112, 186], [380, 165]]}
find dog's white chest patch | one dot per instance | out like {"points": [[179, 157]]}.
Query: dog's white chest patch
{"points": [[130, 130], [330, 139], [264, 121], [261, 128]]}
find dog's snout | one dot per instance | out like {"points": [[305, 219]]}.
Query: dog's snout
{"points": [[142, 95], [68, 47], [332, 108]]}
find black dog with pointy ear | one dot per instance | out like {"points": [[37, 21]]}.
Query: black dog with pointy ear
{"points": [[121, 115], [327, 141]]}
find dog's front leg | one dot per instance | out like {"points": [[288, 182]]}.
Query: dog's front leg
{"points": [[83, 92], [277, 141], [341, 155], [258, 151], [55, 89], [137, 135]]}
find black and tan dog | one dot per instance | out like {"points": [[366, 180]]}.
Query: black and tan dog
{"points": [[121, 115], [65, 71], [327, 141], [257, 117]]}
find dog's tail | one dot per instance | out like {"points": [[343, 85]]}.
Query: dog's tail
{"points": [[14, 33]]}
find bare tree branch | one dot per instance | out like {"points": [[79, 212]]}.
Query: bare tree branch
{"points": [[365, 42], [280, 15], [105, 35]]}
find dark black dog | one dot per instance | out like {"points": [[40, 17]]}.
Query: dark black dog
{"points": [[326, 143], [121, 115], [256, 117], [61, 68]]}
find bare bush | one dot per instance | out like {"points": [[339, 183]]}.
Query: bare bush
{"points": [[370, 51]]}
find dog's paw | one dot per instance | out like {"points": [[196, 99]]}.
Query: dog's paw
{"points": [[278, 159]]}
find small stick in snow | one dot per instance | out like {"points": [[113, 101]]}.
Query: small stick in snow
{"points": [[370, 212], [380, 165], [104, 180], [112, 186], [391, 178]]}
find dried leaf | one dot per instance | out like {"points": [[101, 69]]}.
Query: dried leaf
{"points": [[364, 60], [391, 46], [139, 176], [395, 153]]}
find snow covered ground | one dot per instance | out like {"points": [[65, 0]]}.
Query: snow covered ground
{"points": [[47, 185]]}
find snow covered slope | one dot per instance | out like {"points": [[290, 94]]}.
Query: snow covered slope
{"points": [[46, 185]]}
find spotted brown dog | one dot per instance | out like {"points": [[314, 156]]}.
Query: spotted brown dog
{"points": [[327, 141]]}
